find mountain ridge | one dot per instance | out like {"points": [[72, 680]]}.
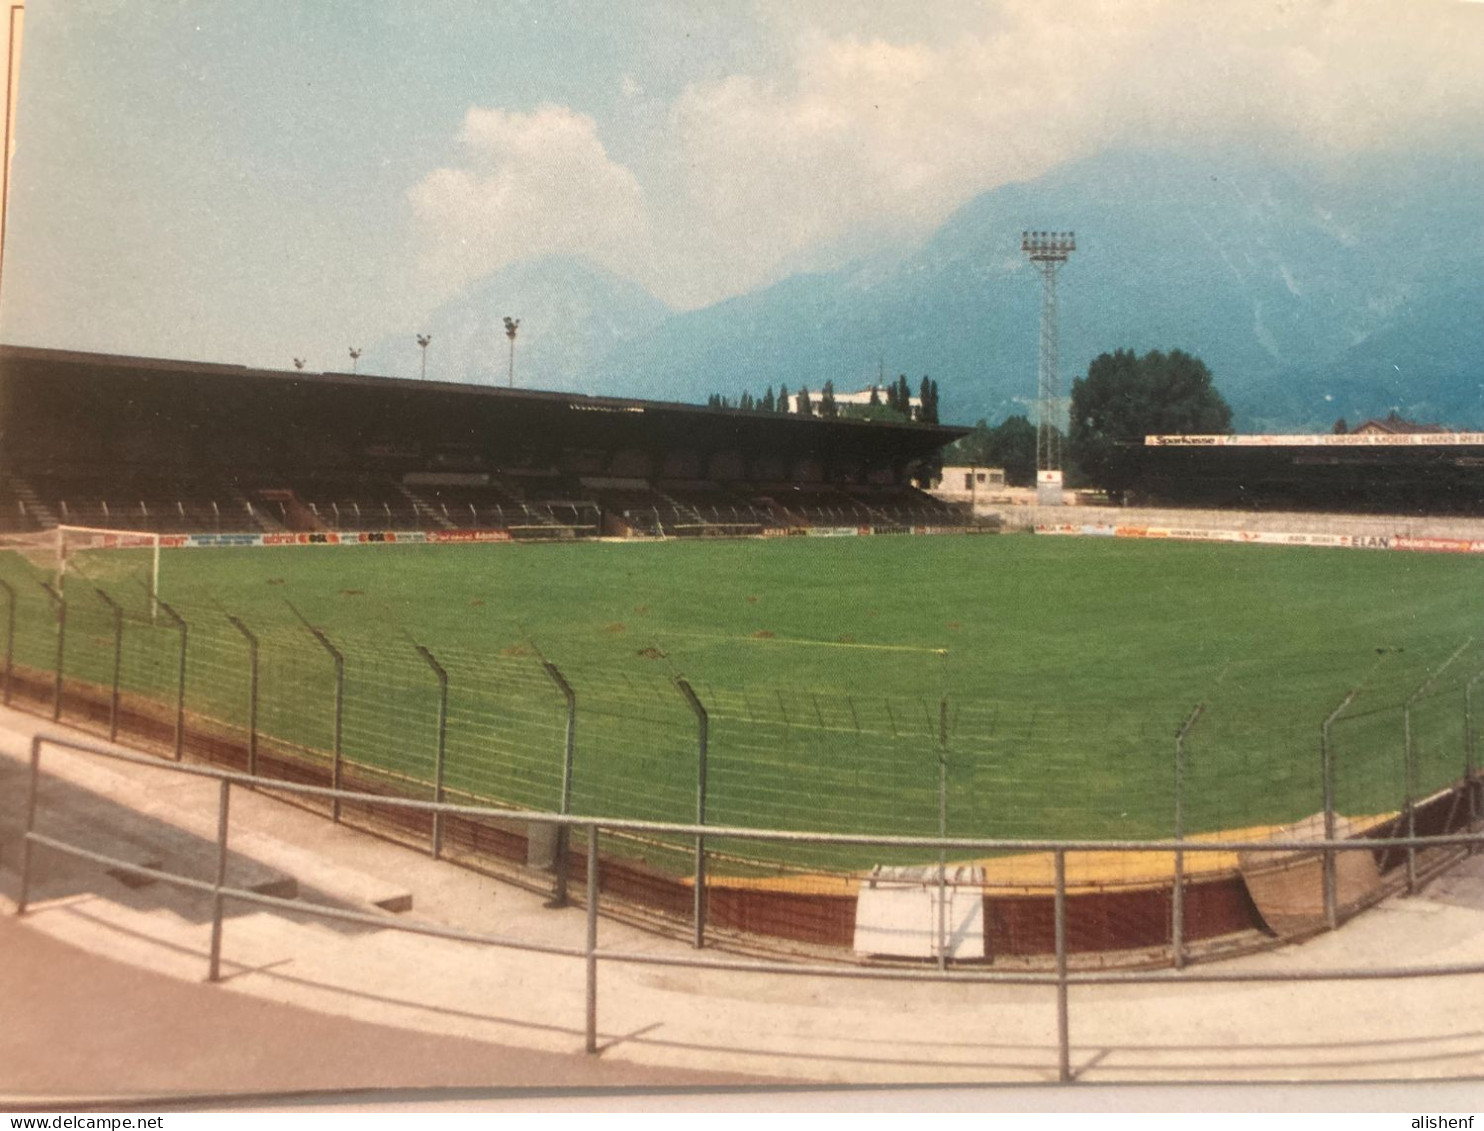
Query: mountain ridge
{"points": [[1310, 294]]}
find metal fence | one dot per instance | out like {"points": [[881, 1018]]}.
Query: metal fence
{"points": [[377, 711], [1061, 977]]}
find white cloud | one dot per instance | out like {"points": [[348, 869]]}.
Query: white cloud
{"points": [[881, 120], [887, 131], [531, 184]]}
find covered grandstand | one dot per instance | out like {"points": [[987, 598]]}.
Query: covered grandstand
{"points": [[1419, 473], [183, 447]]}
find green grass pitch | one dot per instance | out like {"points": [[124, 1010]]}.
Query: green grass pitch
{"points": [[1046, 676]]}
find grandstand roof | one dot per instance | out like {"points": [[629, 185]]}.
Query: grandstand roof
{"points": [[56, 404]]}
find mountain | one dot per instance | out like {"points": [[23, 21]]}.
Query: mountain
{"points": [[1311, 295], [572, 314]]}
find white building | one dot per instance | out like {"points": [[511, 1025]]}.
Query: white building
{"points": [[974, 485], [860, 397]]}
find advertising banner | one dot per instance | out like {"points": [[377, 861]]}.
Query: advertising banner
{"points": [[468, 536], [126, 541], [1320, 440], [222, 540], [1272, 537], [1439, 545]]}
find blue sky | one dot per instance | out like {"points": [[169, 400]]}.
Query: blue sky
{"points": [[247, 182]]}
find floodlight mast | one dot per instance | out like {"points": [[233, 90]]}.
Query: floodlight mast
{"points": [[1047, 251]]}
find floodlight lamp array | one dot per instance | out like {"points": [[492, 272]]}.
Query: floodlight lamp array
{"points": [[1044, 246]]}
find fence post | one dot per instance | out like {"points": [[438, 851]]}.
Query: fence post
{"points": [[441, 749], [1407, 811], [1327, 788], [1470, 786], [943, 833], [564, 832], [1409, 755], [1063, 1036], [180, 675], [9, 635], [252, 693], [118, 660], [24, 896], [224, 800], [336, 767], [702, 725], [1177, 893], [592, 938], [59, 604]]}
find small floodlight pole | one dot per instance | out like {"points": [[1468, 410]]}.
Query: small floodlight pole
{"points": [[1047, 252], [422, 341], [355, 356], [511, 325], [299, 363]]}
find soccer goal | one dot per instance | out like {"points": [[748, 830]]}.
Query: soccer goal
{"points": [[75, 540]]}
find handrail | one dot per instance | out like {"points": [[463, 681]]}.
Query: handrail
{"points": [[1062, 978]]}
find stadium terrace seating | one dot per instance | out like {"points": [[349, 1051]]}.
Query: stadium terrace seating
{"points": [[469, 507], [20, 511], [907, 506], [555, 500], [125, 500], [713, 499], [817, 504], [349, 503], [631, 505], [527, 505]]}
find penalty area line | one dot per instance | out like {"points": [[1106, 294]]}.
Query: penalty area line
{"points": [[804, 642]]}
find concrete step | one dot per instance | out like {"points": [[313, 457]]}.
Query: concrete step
{"points": [[323, 880], [144, 815], [106, 822]]}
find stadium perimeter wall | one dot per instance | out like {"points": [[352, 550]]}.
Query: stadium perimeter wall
{"points": [[1443, 527]]}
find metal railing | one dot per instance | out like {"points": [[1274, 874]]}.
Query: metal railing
{"points": [[1062, 978]]}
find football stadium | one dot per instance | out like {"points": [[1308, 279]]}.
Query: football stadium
{"points": [[543, 603]]}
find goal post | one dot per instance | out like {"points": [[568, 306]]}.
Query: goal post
{"points": [[73, 540]]}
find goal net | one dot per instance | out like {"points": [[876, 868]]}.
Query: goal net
{"points": [[88, 552]]}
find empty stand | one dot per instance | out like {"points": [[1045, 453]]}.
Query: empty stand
{"points": [[125, 499]]}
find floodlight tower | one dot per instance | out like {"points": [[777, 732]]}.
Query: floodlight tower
{"points": [[1047, 252], [511, 326]]}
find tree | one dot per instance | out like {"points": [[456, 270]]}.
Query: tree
{"points": [[928, 397], [1341, 427], [1013, 447], [971, 450], [1011, 444], [805, 408], [870, 412], [767, 404], [746, 402], [827, 406], [875, 397], [1124, 398], [904, 396], [783, 405]]}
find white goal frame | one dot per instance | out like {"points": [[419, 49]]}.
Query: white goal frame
{"points": [[106, 538]]}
